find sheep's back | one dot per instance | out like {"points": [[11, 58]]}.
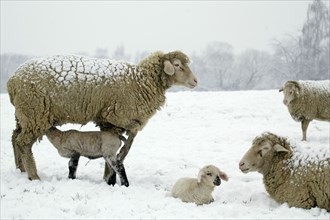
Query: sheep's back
{"points": [[301, 180], [73, 89]]}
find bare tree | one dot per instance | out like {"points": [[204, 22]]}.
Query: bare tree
{"points": [[218, 61], [306, 56], [287, 58], [120, 54], [252, 70], [314, 41], [101, 53]]}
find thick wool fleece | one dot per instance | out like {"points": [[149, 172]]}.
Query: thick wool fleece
{"points": [[71, 89], [312, 101], [288, 179]]}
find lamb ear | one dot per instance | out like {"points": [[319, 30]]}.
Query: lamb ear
{"points": [[223, 176], [168, 67], [199, 177], [279, 148]]}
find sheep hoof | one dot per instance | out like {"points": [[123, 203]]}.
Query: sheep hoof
{"points": [[36, 177], [72, 176], [111, 180], [125, 183], [22, 169]]}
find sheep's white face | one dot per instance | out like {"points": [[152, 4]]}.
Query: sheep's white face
{"points": [[211, 175], [182, 74], [290, 92], [253, 159]]}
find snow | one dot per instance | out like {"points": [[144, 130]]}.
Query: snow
{"points": [[67, 68], [193, 129], [322, 85]]}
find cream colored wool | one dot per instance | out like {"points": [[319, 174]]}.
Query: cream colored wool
{"points": [[199, 190], [306, 101]]}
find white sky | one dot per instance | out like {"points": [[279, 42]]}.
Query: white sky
{"points": [[61, 27]]}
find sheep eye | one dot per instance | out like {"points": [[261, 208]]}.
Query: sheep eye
{"points": [[209, 174], [177, 65], [260, 153]]}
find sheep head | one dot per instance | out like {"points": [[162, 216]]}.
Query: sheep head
{"points": [[176, 65], [211, 175], [260, 156], [291, 90]]}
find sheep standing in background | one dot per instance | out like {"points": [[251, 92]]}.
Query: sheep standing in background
{"points": [[56, 90], [199, 190], [91, 144], [307, 100], [287, 175]]}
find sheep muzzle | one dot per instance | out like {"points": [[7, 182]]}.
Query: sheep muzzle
{"points": [[217, 181]]}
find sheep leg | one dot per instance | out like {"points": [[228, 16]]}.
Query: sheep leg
{"points": [[73, 164], [17, 155], [25, 152], [127, 146], [109, 175], [304, 126], [119, 168]]}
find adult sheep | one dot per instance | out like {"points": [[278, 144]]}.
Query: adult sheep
{"points": [[289, 175], [55, 90], [307, 100]]}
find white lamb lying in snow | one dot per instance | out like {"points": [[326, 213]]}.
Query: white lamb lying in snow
{"points": [[199, 190]]}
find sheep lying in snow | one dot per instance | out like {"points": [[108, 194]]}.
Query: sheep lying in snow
{"points": [[307, 100], [92, 144], [287, 175], [199, 190], [52, 91]]}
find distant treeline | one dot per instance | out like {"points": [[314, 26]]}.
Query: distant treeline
{"points": [[302, 56]]}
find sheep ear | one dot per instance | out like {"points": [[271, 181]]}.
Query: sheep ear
{"points": [[223, 176], [297, 90], [168, 67], [296, 85], [279, 148], [200, 176]]}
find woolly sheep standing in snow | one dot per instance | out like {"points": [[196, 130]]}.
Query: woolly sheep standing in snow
{"points": [[287, 175], [92, 144], [307, 100], [199, 190], [56, 90]]}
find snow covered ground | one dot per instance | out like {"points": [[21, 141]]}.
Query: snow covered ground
{"points": [[192, 130]]}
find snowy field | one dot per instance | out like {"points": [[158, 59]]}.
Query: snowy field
{"points": [[192, 130]]}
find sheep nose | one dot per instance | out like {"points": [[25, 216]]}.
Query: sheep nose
{"points": [[285, 102], [217, 181], [241, 164], [195, 81]]}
